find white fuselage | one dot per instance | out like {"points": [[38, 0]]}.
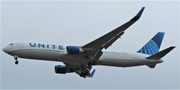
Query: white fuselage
{"points": [[52, 52]]}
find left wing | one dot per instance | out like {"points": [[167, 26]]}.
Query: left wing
{"points": [[106, 40], [80, 70]]}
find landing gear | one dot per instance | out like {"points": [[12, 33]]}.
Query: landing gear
{"points": [[86, 69], [89, 66], [16, 62], [84, 74], [16, 59]]}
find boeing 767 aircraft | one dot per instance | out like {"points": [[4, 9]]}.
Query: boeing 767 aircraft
{"points": [[80, 59]]}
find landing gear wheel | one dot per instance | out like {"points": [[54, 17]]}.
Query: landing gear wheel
{"points": [[16, 59], [84, 74], [16, 62]]}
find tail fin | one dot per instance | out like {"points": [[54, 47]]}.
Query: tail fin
{"points": [[161, 54], [153, 45]]}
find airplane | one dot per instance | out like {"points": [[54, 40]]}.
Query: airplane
{"points": [[80, 59]]}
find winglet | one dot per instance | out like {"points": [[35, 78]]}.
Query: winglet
{"points": [[92, 73], [135, 18]]}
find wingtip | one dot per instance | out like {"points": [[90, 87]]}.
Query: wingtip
{"points": [[173, 47], [135, 18], [92, 73]]}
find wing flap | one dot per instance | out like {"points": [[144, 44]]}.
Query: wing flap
{"points": [[112, 40]]}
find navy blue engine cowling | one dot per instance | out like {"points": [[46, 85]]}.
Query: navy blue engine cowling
{"points": [[74, 50], [62, 69]]}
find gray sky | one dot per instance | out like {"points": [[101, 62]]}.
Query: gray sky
{"points": [[77, 23]]}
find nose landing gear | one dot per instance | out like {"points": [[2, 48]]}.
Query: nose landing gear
{"points": [[16, 59], [16, 62]]}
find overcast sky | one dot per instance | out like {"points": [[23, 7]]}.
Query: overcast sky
{"points": [[77, 23]]}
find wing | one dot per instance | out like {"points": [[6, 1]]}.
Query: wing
{"points": [[108, 39], [93, 49], [78, 69]]}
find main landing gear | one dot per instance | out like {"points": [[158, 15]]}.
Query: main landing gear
{"points": [[86, 69], [89, 66], [84, 73], [16, 59]]}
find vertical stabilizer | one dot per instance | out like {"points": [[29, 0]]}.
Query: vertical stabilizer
{"points": [[153, 45]]}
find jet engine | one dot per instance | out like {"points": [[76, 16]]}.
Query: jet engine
{"points": [[74, 50], [62, 69]]}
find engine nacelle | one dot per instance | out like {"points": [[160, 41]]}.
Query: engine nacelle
{"points": [[74, 50], [62, 69]]}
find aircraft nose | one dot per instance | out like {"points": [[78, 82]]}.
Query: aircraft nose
{"points": [[6, 49]]}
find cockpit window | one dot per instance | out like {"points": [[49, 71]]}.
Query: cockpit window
{"points": [[11, 44]]}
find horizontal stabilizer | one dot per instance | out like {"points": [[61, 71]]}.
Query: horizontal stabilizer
{"points": [[161, 54]]}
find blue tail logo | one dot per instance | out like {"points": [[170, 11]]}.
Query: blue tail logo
{"points": [[153, 45]]}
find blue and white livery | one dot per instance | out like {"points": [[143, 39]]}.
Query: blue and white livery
{"points": [[81, 59]]}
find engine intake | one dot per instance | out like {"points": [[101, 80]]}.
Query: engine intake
{"points": [[74, 50]]}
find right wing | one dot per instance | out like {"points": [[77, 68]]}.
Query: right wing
{"points": [[106, 40]]}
